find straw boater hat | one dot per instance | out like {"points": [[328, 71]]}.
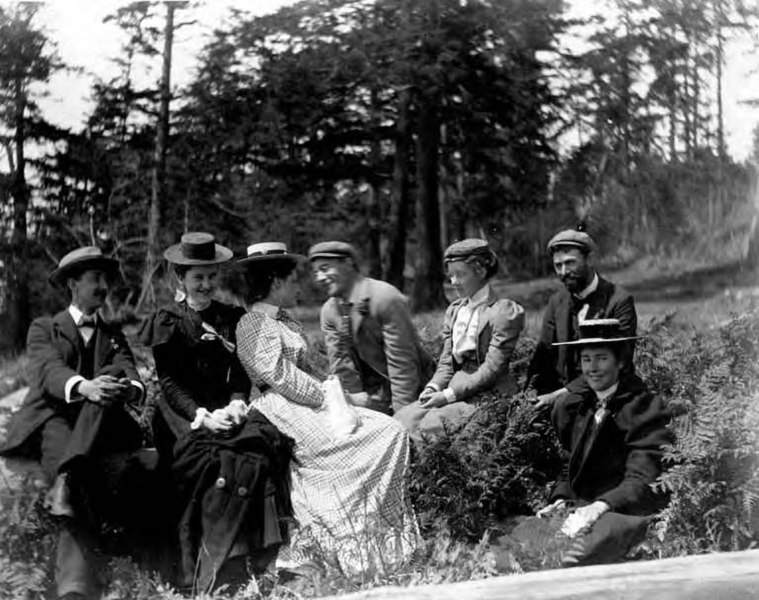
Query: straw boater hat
{"points": [[80, 260], [269, 252], [197, 248], [597, 332]]}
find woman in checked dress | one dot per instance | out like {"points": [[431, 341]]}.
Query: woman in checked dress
{"points": [[348, 494]]}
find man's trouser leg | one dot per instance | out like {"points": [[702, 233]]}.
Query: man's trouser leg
{"points": [[72, 571]]}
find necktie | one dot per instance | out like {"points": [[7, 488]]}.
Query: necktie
{"points": [[87, 321], [346, 326]]}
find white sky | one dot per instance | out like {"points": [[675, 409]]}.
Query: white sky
{"points": [[84, 40]]}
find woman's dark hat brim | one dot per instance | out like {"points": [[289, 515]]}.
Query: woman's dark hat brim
{"points": [[175, 256]]}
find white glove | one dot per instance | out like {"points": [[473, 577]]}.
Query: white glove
{"points": [[583, 518]]}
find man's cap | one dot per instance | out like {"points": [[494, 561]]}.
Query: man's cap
{"points": [[332, 249], [596, 332], [197, 248], [571, 238], [466, 248], [80, 260], [264, 252]]}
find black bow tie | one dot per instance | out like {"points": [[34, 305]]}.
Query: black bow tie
{"points": [[87, 321]]}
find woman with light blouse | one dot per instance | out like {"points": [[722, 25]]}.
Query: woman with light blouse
{"points": [[480, 332]]}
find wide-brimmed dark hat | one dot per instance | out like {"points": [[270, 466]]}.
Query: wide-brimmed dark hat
{"points": [[268, 252], [332, 249], [197, 248], [571, 238], [598, 332], [80, 260]]}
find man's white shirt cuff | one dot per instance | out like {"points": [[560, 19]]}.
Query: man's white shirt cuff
{"points": [[70, 383]]}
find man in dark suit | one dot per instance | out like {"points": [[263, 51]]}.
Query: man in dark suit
{"points": [[82, 380], [554, 370], [372, 344]]}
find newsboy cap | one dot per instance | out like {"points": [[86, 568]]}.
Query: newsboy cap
{"points": [[332, 249], [466, 248], [573, 239], [80, 260]]}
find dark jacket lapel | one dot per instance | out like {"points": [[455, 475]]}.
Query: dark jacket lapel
{"points": [[360, 295], [103, 344]]}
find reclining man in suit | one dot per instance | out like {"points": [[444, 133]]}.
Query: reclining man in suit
{"points": [[82, 379], [373, 346], [554, 371]]}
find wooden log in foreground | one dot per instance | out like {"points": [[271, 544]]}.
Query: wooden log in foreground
{"points": [[724, 576]]}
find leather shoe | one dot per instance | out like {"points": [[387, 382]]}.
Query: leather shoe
{"points": [[58, 500]]}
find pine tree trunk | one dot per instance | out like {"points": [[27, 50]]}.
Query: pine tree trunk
{"points": [[427, 292], [158, 184], [399, 212], [20, 308], [720, 109]]}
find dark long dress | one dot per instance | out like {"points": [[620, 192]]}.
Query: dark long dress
{"points": [[233, 490]]}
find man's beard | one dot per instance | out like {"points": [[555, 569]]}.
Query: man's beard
{"points": [[574, 283]]}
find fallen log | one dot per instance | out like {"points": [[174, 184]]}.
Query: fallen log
{"points": [[723, 576]]}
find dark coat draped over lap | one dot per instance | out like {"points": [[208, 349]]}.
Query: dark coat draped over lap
{"points": [[231, 487]]}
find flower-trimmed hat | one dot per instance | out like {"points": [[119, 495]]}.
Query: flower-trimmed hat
{"points": [[597, 332], [571, 238], [197, 248], [80, 260], [269, 252]]}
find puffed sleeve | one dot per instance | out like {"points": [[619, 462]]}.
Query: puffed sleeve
{"points": [[259, 347], [161, 333]]}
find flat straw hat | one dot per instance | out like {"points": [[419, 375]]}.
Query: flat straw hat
{"points": [[197, 248], [264, 252], [82, 259], [596, 332]]}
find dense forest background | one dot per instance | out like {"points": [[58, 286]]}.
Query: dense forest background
{"points": [[398, 125]]}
